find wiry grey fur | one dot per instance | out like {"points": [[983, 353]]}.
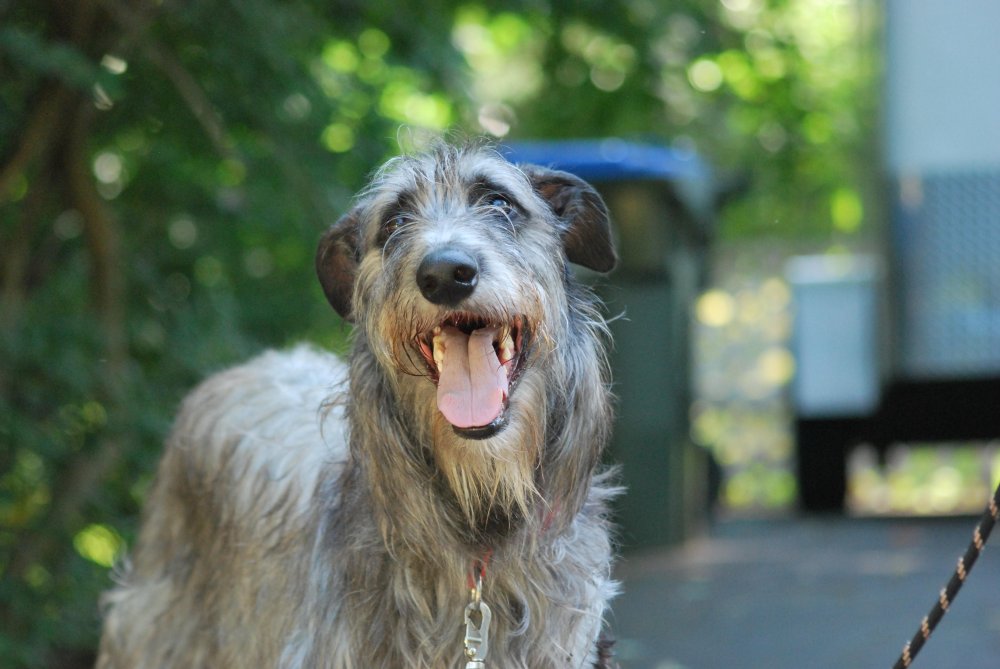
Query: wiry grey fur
{"points": [[308, 513]]}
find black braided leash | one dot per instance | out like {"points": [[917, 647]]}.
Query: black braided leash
{"points": [[947, 596]]}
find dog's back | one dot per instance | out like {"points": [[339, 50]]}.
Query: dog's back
{"points": [[234, 494]]}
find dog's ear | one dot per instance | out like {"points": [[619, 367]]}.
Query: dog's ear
{"points": [[337, 261], [586, 231]]}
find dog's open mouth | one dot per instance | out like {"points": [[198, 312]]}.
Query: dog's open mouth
{"points": [[475, 364]]}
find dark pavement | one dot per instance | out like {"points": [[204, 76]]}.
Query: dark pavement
{"points": [[815, 593]]}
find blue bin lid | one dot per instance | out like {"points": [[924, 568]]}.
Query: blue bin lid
{"points": [[609, 159]]}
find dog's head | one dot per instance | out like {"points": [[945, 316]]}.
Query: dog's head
{"points": [[454, 266]]}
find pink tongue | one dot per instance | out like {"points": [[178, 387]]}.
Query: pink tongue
{"points": [[473, 383]]}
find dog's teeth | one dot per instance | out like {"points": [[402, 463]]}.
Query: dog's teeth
{"points": [[506, 347], [438, 343]]}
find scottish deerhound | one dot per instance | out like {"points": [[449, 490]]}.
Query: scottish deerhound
{"points": [[447, 508]]}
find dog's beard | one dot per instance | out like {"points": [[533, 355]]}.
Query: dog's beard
{"points": [[489, 472], [492, 481]]}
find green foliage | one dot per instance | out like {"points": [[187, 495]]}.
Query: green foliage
{"points": [[166, 168], [51, 59]]}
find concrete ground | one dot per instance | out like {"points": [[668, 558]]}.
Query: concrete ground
{"points": [[816, 593]]}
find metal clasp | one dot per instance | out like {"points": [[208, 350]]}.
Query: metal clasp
{"points": [[477, 638]]}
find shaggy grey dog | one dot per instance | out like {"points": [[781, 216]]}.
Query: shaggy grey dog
{"points": [[311, 513]]}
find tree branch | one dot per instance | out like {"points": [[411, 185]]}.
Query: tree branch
{"points": [[16, 256], [85, 472], [41, 134], [103, 240]]}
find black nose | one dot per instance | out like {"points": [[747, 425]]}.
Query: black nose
{"points": [[447, 276]]}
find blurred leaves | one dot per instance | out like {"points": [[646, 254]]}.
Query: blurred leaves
{"points": [[55, 59], [743, 366], [926, 479]]}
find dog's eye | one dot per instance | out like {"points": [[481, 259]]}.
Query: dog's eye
{"points": [[393, 223], [501, 203]]}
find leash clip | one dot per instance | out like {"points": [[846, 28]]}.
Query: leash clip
{"points": [[477, 636]]}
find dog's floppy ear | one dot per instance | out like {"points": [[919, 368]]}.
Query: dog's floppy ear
{"points": [[337, 261], [586, 232]]}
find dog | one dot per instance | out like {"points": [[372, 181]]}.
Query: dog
{"points": [[436, 501]]}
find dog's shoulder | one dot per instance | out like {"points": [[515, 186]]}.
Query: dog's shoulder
{"points": [[275, 416]]}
